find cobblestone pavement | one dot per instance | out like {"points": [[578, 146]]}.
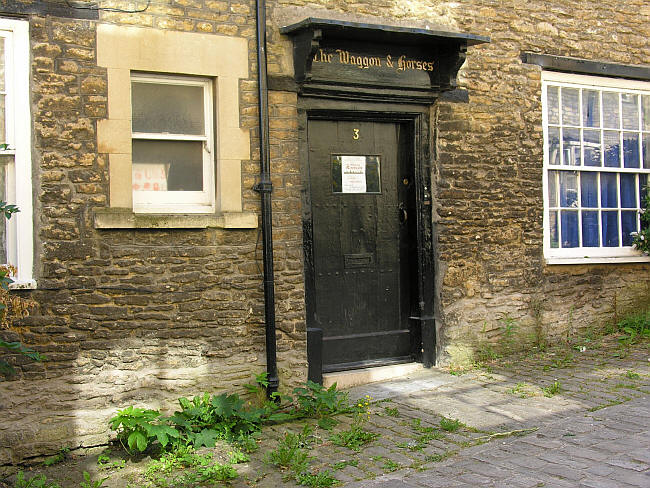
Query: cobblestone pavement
{"points": [[561, 418]]}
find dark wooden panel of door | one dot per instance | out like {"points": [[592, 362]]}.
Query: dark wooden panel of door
{"points": [[360, 297]]}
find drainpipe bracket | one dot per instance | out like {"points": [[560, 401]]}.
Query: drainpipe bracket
{"points": [[263, 187]]}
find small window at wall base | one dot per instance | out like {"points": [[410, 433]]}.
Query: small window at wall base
{"points": [[16, 234], [173, 164], [596, 166]]}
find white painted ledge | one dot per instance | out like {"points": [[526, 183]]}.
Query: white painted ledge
{"points": [[355, 377]]}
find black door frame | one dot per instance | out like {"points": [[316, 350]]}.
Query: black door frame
{"points": [[423, 322]]}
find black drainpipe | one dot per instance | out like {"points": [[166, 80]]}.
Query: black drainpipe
{"points": [[264, 187]]}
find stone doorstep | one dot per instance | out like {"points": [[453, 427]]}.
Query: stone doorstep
{"points": [[348, 379]]}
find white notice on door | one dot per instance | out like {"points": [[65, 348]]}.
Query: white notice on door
{"points": [[353, 174]]}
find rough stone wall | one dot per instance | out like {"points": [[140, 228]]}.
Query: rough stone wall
{"points": [[488, 157], [141, 316]]}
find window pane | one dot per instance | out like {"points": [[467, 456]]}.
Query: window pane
{"points": [[643, 188], [163, 108], [571, 146], [612, 149], [2, 64], [631, 149], [608, 190], [167, 165], [552, 188], [630, 106], [3, 128], [5, 160], [568, 188], [628, 190], [553, 225], [646, 151], [553, 145], [645, 111], [552, 105], [590, 228], [590, 108], [610, 229], [628, 225], [610, 110], [589, 189], [570, 106], [591, 142], [569, 228]]}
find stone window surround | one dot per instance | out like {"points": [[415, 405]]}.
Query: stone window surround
{"points": [[580, 256], [224, 59], [20, 233]]}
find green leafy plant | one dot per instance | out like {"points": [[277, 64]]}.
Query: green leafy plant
{"points": [[315, 400], [391, 412], [57, 458], [343, 464], [354, 438], [641, 239], [138, 428], [552, 389], [632, 375], [289, 453], [450, 425], [37, 481], [635, 327], [320, 478], [88, 482]]}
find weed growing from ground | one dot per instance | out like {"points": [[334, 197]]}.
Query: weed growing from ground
{"points": [[634, 327], [38, 481], [57, 458], [552, 390], [345, 463], [389, 466], [320, 478], [391, 412], [632, 375], [88, 482], [450, 425]]}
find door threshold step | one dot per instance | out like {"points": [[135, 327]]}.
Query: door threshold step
{"points": [[355, 377]]}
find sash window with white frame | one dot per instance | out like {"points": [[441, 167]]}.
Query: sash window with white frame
{"points": [[596, 166], [16, 234], [172, 144]]}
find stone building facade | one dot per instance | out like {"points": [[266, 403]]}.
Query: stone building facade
{"points": [[141, 304]]}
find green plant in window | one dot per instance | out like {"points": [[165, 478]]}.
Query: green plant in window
{"points": [[641, 239]]}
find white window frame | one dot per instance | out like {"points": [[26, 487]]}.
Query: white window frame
{"points": [[601, 254], [181, 201], [20, 234]]}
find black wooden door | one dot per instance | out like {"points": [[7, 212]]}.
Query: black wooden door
{"points": [[360, 179]]}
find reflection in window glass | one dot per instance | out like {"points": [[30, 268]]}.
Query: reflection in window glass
{"points": [[612, 149], [552, 188], [569, 228], [553, 145], [553, 228], [610, 228], [628, 192], [608, 186], [570, 106], [630, 106], [553, 105], [568, 188], [631, 149], [589, 189], [590, 228], [628, 225], [590, 108], [611, 118], [571, 147], [591, 141]]}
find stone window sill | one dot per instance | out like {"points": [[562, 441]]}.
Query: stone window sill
{"points": [[124, 218]]}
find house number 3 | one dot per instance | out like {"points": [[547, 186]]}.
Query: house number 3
{"points": [[355, 134]]}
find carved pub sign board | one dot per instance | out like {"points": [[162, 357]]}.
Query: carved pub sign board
{"points": [[340, 59]]}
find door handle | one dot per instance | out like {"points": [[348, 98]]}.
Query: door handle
{"points": [[403, 214]]}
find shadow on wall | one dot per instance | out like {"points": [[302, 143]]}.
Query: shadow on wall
{"points": [[186, 318]]}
